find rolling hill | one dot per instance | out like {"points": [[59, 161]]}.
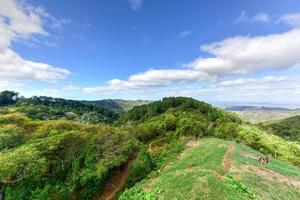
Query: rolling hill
{"points": [[118, 104], [288, 128], [48, 108]]}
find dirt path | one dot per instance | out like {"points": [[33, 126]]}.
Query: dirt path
{"points": [[227, 160], [152, 149], [115, 183]]}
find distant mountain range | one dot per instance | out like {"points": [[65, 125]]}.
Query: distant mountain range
{"points": [[243, 108], [258, 114]]}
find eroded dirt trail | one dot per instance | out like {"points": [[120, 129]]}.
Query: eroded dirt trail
{"points": [[152, 149], [115, 183], [227, 160]]}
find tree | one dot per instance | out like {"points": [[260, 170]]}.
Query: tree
{"points": [[8, 98]]}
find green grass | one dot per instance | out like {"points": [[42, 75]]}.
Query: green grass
{"points": [[198, 174]]}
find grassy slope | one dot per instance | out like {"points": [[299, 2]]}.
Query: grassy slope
{"points": [[257, 116], [198, 174], [288, 128]]}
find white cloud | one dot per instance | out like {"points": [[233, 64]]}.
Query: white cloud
{"points": [[185, 34], [244, 18], [291, 19], [20, 21], [10, 85], [284, 89], [153, 78], [266, 89], [242, 81], [136, 4], [70, 87], [261, 17], [233, 56], [243, 55], [13, 67]]}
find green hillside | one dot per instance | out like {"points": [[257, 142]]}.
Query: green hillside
{"points": [[118, 104], [218, 169], [72, 159], [48, 108], [288, 128]]}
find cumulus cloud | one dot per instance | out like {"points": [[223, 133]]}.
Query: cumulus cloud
{"points": [[266, 89], [19, 21], [283, 88], [237, 56], [136, 4], [153, 78], [12, 66], [291, 19], [242, 81], [244, 54]]}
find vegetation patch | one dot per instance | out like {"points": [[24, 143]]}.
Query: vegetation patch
{"points": [[288, 128], [238, 185]]}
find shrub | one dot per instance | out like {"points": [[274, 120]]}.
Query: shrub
{"points": [[270, 144], [140, 168], [10, 136]]}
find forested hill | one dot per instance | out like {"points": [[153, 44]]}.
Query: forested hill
{"points": [[118, 104], [48, 108], [288, 128]]}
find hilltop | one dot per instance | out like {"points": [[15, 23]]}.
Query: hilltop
{"points": [[218, 169]]}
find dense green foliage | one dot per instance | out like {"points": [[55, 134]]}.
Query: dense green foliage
{"points": [[288, 128], [47, 108], [8, 98], [140, 168], [59, 159], [270, 144], [45, 157], [137, 193], [118, 104], [175, 117]]}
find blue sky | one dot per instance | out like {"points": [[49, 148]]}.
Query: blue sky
{"points": [[146, 49]]}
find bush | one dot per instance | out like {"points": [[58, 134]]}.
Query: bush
{"points": [[226, 130], [140, 168], [270, 144], [60, 158], [10, 136]]}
